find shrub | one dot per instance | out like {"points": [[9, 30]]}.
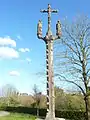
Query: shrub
{"points": [[75, 115]]}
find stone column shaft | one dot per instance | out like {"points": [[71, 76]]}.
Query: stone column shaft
{"points": [[50, 81]]}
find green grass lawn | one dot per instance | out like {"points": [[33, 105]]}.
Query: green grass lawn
{"points": [[17, 116]]}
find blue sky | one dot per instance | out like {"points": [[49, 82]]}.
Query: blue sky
{"points": [[22, 54]]}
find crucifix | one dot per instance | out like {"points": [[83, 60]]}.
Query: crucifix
{"points": [[49, 39]]}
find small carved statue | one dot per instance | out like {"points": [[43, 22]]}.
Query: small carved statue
{"points": [[58, 28], [39, 28]]}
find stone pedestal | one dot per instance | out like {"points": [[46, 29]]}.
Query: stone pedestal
{"points": [[51, 119], [50, 116]]}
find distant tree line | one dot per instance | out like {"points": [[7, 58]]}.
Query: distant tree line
{"points": [[63, 100]]}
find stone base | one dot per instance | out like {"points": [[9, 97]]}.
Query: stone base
{"points": [[59, 119], [49, 119], [50, 116]]}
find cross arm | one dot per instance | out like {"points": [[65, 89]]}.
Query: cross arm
{"points": [[44, 11], [54, 11]]}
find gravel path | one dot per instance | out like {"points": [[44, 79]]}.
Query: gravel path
{"points": [[4, 113]]}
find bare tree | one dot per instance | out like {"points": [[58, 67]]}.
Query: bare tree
{"points": [[10, 92], [73, 56], [37, 97]]}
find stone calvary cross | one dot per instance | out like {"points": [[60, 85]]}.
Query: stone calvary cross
{"points": [[49, 39]]}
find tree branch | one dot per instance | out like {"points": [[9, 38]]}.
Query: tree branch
{"points": [[73, 83]]}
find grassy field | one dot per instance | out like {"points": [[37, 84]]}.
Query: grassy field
{"points": [[16, 116]]}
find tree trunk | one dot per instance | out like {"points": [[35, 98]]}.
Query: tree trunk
{"points": [[37, 110], [87, 105], [88, 108]]}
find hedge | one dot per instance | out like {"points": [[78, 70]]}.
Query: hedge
{"points": [[75, 115]]}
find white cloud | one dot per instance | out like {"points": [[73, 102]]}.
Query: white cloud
{"points": [[24, 50], [19, 37], [7, 52], [27, 49], [28, 60], [6, 48], [14, 73], [5, 41]]}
